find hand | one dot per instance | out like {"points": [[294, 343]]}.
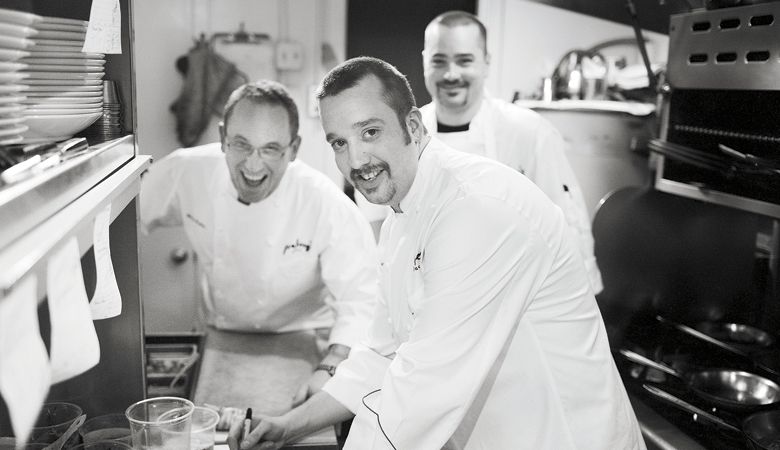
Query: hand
{"points": [[268, 433], [316, 381]]}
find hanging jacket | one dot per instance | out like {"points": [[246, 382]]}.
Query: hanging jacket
{"points": [[208, 81]]}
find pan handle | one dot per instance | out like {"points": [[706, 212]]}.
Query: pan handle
{"points": [[704, 337], [639, 359], [682, 404]]}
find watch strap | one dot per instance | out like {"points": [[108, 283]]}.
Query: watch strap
{"points": [[327, 368]]}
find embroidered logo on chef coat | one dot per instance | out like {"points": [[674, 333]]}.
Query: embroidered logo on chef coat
{"points": [[297, 247], [417, 263]]}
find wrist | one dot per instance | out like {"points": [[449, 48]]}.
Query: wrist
{"points": [[329, 368], [339, 350]]}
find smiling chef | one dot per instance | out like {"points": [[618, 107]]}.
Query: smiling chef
{"points": [[280, 248]]}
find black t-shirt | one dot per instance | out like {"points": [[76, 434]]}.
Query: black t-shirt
{"points": [[441, 128]]}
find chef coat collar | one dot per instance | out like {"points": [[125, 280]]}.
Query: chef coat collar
{"points": [[412, 198]]}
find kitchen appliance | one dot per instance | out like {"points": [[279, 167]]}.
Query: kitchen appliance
{"points": [[581, 74], [722, 142]]}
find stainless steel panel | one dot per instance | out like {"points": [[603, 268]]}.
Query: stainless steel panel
{"points": [[25, 204], [744, 34]]}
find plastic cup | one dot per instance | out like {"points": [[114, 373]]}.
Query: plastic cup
{"points": [[103, 445], [54, 419], [113, 427], [161, 423], [204, 427]]}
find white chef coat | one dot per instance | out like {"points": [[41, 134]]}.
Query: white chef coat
{"points": [[487, 335], [527, 142], [303, 258]]}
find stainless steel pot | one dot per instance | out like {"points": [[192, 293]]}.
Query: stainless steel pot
{"points": [[761, 430], [582, 75], [731, 389]]}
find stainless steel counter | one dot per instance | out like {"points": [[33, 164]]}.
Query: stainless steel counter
{"points": [[261, 371]]}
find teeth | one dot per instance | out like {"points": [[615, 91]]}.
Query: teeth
{"points": [[253, 177], [369, 175]]}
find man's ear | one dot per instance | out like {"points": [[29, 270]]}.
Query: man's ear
{"points": [[222, 135], [294, 145], [415, 125]]}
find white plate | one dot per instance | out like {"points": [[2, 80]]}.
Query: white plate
{"points": [[11, 99], [57, 68], [96, 100], [18, 43], [12, 120], [61, 105], [60, 111], [18, 17], [6, 66], [62, 75], [11, 77], [56, 126], [35, 52], [10, 29], [71, 90], [11, 130], [57, 43], [11, 109], [7, 54], [62, 20], [11, 140], [10, 88], [61, 26], [64, 35], [64, 61], [64, 84]]}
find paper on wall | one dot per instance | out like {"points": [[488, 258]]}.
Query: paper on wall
{"points": [[74, 343], [104, 32], [106, 302], [24, 364]]}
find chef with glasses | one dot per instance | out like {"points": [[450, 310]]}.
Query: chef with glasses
{"points": [[279, 246]]}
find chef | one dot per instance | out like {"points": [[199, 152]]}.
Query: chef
{"points": [[280, 248], [487, 335], [463, 115]]}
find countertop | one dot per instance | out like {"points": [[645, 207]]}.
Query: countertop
{"points": [[261, 371]]}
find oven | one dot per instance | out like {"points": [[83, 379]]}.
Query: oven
{"points": [[690, 264]]}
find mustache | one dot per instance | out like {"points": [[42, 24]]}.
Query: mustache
{"points": [[452, 84], [355, 174]]}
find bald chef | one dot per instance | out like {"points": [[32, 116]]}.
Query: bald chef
{"points": [[279, 247]]}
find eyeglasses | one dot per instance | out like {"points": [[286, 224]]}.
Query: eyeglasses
{"points": [[271, 152]]}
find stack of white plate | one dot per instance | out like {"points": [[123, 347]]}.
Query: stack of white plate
{"points": [[14, 32], [64, 86]]}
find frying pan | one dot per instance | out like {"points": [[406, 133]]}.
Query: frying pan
{"points": [[732, 389], [766, 360], [737, 334], [761, 430]]}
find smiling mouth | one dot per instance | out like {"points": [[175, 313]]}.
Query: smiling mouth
{"points": [[253, 180]]}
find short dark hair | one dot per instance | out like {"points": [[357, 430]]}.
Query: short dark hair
{"points": [[396, 92], [264, 92], [450, 19]]}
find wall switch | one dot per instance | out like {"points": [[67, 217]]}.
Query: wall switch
{"points": [[289, 55]]}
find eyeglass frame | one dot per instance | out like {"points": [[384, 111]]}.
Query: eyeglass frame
{"points": [[275, 157]]}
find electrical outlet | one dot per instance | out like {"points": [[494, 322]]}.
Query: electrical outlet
{"points": [[289, 55]]}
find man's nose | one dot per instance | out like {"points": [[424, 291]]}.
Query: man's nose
{"points": [[254, 162], [452, 73], [357, 156]]}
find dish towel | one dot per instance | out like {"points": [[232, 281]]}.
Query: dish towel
{"points": [[208, 81]]}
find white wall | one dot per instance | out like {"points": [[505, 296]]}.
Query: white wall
{"points": [[167, 29], [527, 39]]}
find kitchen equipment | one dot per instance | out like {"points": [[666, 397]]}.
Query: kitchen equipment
{"points": [[161, 422], [581, 74], [728, 388], [54, 420], [766, 360], [722, 92], [737, 334], [761, 430]]}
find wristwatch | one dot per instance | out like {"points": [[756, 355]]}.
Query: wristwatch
{"points": [[327, 368]]}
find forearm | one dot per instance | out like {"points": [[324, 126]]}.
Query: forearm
{"points": [[336, 354], [320, 411]]}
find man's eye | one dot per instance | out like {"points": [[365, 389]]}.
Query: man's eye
{"points": [[338, 144], [465, 62], [438, 62], [240, 146], [371, 133]]}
